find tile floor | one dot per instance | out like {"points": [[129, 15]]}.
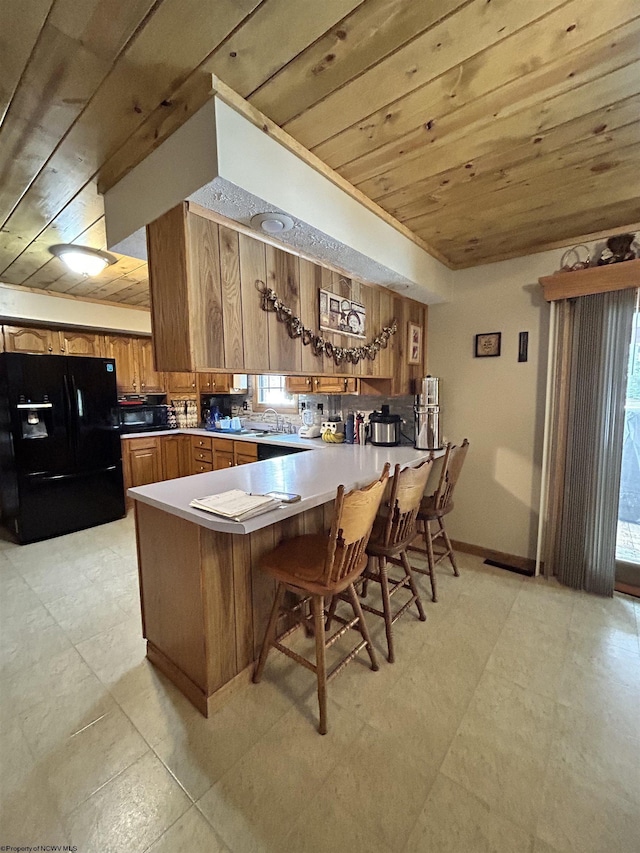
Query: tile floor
{"points": [[509, 723]]}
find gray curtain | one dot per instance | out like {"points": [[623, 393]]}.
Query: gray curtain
{"points": [[583, 550]]}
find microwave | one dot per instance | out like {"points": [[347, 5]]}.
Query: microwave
{"points": [[142, 417]]}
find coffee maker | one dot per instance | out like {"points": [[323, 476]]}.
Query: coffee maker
{"points": [[427, 415]]}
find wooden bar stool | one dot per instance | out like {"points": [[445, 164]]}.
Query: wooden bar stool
{"points": [[434, 507], [323, 565], [392, 533]]}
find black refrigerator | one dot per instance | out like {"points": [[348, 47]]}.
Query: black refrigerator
{"points": [[60, 458]]}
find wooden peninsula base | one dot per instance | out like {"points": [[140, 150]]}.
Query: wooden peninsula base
{"points": [[205, 604]]}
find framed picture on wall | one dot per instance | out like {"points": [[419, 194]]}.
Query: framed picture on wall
{"points": [[488, 344], [414, 343]]}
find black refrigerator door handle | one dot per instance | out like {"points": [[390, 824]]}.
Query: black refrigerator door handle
{"points": [[69, 413]]}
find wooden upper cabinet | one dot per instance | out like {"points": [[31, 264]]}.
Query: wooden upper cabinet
{"points": [[215, 383], [150, 380], [42, 341], [80, 343], [299, 384], [182, 383], [123, 349], [207, 312]]}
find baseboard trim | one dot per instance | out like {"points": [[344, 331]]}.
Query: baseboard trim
{"points": [[627, 589], [524, 564]]}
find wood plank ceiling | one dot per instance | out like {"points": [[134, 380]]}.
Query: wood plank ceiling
{"points": [[490, 128]]}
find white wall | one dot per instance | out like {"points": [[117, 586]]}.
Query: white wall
{"points": [[24, 306], [497, 403]]}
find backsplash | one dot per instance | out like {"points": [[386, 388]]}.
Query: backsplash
{"points": [[335, 404]]}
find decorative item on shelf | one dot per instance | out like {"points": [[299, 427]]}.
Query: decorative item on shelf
{"points": [[575, 259], [488, 344], [320, 346], [618, 249], [341, 315], [414, 345]]}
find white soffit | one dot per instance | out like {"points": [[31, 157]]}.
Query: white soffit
{"points": [[222, 161], [41, 307]]}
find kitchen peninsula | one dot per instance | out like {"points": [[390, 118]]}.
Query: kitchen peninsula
{"points": [[204, 602]]}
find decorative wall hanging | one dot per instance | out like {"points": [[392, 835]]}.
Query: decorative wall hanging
{"points": [[341, 315], [320, 346], [488, 344], [414, 345]]}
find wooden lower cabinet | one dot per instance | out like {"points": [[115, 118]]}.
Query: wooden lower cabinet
{"points": [[228, 453], [244, 452], [144, 464], [176, 458], [150, 459], [223, 453]]}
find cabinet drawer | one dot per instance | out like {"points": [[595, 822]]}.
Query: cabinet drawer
{"points": [[143, 443], [200, 443], [202, 455], [200, 467], [223, 445]]}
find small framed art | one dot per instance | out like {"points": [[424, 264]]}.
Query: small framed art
{"points": [[488, 344], [414, 348]]}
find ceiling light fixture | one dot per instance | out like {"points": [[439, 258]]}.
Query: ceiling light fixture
{"points": [[272, 223], [83, 259]]}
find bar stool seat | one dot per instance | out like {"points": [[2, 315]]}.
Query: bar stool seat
{"points": [[319, 566], [301, 561]]}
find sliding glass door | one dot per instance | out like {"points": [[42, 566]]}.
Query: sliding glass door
{"points": [[628, 539]]}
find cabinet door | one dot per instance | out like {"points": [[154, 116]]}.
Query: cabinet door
{"points": [[145, 461], [244, 452], [182, 383], [150, 379], [80, 343], [223, 456], [221, 382], [299, 384], [171, 457], [330, 384], [18, 339], [205, 383], [123, 350]]}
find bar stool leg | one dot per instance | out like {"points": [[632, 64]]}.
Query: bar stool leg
{"points": [[450, 553], [362, 625], [412, 584], [386, 607], [317, 604], [270, 633], [429, 546], [331, 612]]}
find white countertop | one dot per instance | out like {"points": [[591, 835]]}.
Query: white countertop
{"points": [[314, 476], [289, 440]]}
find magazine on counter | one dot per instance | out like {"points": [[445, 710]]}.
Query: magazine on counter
{"points": [[236, 505]]}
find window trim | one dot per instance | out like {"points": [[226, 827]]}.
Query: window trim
{"points": [[260, 407]]}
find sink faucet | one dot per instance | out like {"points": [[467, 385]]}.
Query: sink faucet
{"points": [[276, 415]]}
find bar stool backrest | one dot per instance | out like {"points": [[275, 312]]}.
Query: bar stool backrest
{"points": [[451, 468], [406, 493], [353, 519]]}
